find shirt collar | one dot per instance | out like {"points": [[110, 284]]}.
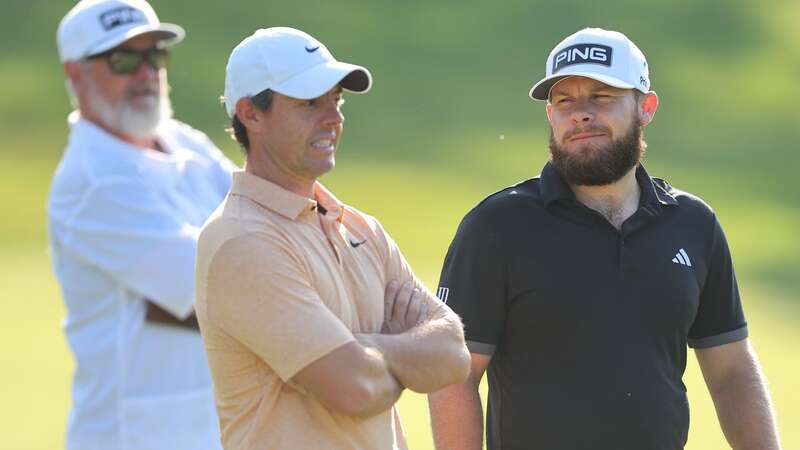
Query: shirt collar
{"points": [[554, 188], [654, 191], [284, 202]]}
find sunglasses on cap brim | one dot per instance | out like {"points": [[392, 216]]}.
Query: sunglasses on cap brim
{"points": [[125, 61]]}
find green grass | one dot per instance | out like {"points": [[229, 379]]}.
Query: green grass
{"points": [[37, 385], [446, 123]]}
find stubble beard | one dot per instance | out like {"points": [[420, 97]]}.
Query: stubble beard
{"points": [[599, 166]]}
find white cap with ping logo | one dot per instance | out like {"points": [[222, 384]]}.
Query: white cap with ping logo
{"points": [[94, 26], [606, 56]]}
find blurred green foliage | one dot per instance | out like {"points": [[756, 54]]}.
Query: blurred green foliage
{"points": [[447, 122]]}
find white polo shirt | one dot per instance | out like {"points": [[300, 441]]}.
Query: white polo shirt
{"points": [[123, 228]]}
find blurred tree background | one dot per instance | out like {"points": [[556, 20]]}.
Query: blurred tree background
{"points": [[447, 122]]}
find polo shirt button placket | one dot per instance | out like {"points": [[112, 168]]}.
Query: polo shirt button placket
{"points": [[626, 257], [337, 238], [622, 256], [328, 228]]}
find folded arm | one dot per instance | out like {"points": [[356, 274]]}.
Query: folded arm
{"points": [[353, 380], [125, 230], [427, 351], [421, 348], [366, 377], [257, 291]]}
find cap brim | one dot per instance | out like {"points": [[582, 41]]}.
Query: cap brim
{"points": [[168, 34], [541, 90], [323, 77]]}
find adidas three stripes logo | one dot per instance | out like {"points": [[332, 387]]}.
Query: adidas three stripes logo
{"points": [[682, 258]]}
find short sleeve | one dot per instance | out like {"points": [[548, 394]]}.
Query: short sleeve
{"points": [[259, 292], [125, 230], [472, 282], [720, 318], [219, 173], [224, 167]]}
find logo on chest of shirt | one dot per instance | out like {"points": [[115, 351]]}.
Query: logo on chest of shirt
{"points": [[682, 258], [354, 241], [355, 244]]}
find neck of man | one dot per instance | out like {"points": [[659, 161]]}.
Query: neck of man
{"points": [[616, 201], [266, 168]]}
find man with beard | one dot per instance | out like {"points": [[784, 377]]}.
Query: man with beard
{"points": [[581, 288], [126, 205]]}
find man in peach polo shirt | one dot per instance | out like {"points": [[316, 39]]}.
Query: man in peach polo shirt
{"points": [[312, 319]]}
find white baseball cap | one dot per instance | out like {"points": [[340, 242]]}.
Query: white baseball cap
{"points": [[289, 62], [94, 26], [606, 56]]}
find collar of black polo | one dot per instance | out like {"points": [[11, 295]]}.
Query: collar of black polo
{"points": [[655, 191]]}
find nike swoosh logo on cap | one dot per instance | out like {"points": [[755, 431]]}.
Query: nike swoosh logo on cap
{"points": [[312, 50]]}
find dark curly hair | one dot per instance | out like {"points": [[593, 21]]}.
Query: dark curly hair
{"points": [[237, 130]]}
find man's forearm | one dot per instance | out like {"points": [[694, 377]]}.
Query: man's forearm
{"points": [[383, 389], [457, 417], [745, 412], [353, 380], [427, 357]]}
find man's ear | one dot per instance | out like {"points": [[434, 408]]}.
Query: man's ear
{"points": [[72, 69], [549, 110], [248, 114], [648, 104]]}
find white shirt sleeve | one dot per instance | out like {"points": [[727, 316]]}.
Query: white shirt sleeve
{"points": [[126, 230], [199, 142]]}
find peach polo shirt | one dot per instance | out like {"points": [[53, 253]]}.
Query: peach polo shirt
{"points": [[283, 280]]}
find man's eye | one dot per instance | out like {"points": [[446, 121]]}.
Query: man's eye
{"points": [[311, 102]]}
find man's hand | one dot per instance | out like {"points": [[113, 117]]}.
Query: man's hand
{"points": [[157, 314], [422, 340], [404, 307]]}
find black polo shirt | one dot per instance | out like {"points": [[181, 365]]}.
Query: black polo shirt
{"points": [[588, 326]]}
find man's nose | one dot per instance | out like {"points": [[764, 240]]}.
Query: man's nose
{"points": [[333, 114], [146, 72], [583, 113]]}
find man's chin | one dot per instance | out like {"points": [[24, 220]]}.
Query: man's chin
{"points": [[140, 123], [143, 121], [585, 148], [322, 167], [143, 104]]}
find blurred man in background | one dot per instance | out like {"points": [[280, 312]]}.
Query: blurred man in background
{"points": [[581, 288], [313, 321], [125, 209]]}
